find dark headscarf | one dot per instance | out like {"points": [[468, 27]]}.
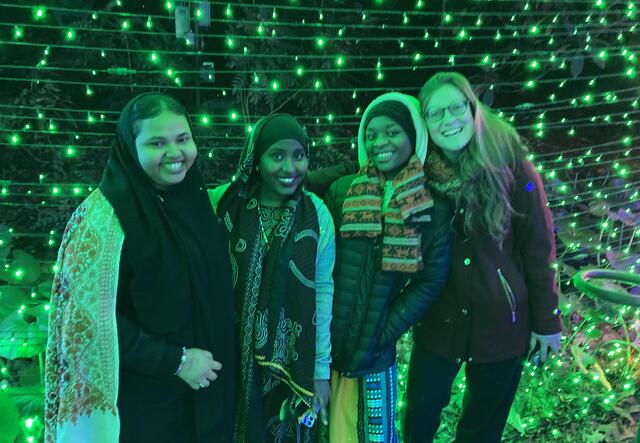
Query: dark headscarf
{"points": [[287, 283], [178, 256], [279, 127], [396, 111]]}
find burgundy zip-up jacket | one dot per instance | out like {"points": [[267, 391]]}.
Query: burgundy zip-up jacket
{"points": [[495, 297]]}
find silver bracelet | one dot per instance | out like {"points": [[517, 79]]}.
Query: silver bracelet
{"points": [[183, 359]]}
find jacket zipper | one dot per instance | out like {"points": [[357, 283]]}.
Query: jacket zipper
{"points": [[509, 294]]}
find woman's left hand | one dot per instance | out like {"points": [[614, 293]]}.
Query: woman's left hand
{"points": [[321, 396], [547, 342]]}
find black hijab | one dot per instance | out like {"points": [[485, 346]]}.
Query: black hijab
{"points": [[178, 254], [286, 290]]}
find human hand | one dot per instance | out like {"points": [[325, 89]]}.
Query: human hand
{"points": [[321, 396], [199, 369], [547, 342]]}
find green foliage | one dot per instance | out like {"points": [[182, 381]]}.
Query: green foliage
{"points": [[9, 419]]}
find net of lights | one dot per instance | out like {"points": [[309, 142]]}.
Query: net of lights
{"points": [[564, 73]]}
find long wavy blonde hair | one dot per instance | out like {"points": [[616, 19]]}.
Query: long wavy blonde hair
{"points": [[485, 167]]}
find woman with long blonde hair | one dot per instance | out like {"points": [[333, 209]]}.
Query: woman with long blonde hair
{"points": [[500, 300]]}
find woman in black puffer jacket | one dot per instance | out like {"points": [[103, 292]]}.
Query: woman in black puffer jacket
{"points": [[393, 254]]}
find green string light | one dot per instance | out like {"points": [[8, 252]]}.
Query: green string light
{"points": [[39, 13], [70, 34]]}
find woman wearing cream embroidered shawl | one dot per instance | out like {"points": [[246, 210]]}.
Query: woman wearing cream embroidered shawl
{"points": [[142, 297]]}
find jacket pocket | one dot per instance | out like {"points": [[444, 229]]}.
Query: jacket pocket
{"points": [[508, 292]]}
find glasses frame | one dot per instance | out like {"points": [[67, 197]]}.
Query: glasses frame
{"points": [[448, 108]]}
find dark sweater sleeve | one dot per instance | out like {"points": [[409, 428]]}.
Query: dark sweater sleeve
{"points": [[334, 197], [139, 351], [320, 180], [425, 286], [535, 241]]}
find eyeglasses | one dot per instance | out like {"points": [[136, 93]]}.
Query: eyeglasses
{"points": [[456, 108]]}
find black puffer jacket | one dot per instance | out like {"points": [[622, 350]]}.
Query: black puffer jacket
{"points": [[372, 308]]}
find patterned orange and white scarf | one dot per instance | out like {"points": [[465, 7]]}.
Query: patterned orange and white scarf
{"points": [[363, 214]]}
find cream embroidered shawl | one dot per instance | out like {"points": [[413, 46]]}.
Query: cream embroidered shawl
{"points": [[81, 371]]}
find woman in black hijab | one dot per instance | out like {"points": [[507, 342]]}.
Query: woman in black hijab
{"points": [[158, 259], [282, 252]]}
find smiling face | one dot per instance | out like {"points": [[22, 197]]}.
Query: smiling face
{"points": [[388, 145], [283, 167], [165, 148], [449, 119]]}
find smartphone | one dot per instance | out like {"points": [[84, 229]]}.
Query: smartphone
{"points": [[309, 418]]}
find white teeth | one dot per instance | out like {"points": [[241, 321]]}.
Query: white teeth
{"points": [[452, 132], [287, 181], [384, 155], [175, 166]]}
